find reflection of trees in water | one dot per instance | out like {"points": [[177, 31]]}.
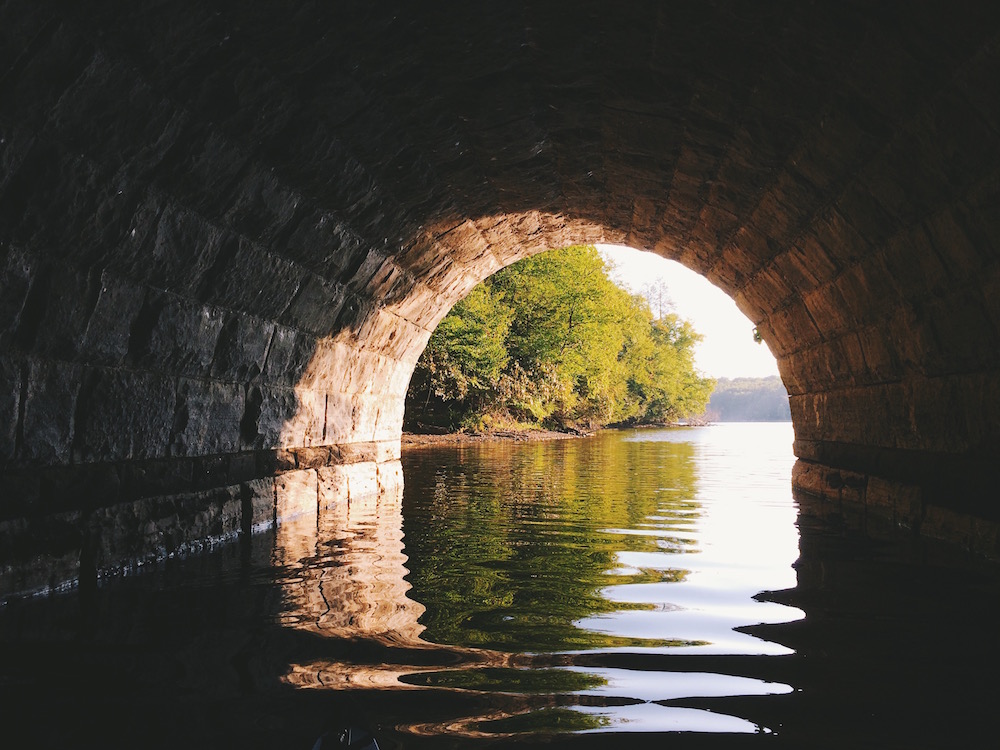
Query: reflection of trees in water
{"points": [[510, 545]]}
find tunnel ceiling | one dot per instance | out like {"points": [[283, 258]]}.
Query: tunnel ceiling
{"points": [[230, 226]]}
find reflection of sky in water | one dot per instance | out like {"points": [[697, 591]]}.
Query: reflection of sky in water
{"points": [[668, 686], [742, 542], [712, 631]]}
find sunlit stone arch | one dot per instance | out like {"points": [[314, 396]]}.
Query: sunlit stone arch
{"points": [[375, 361]]}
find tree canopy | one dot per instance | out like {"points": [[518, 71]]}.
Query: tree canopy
{"points": [[552, 341]]}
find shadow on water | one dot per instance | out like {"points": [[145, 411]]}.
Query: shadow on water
{"points": [[544, 592]]}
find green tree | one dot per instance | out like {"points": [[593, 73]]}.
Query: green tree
{"points": [[553, 341], [465, 357], [569, 328]]}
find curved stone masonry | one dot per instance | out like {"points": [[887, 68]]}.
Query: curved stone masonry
{"points": [[227, 229]]}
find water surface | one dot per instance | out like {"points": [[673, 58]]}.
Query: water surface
{"points": [[651, 587], [650, 542]]}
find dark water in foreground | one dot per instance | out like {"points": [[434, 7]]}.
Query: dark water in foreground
{"points": [[645, 589]]}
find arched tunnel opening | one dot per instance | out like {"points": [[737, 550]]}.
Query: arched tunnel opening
{"points": [[227, 231]]}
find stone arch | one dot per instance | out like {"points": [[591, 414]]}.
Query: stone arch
{"points": [[225, 228]]}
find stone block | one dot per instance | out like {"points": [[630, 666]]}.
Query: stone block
{"points": [[296, 494], [124, 415], [50, 404], [356, 309], [154, 528], [316, 307], [370, 361], [360, 452], [265, 208], [399, 382], [305, 426], [364, 417], [207, 418], [17, 271], [390, 479], [267, 412], [386, 450], [389, 424], [328, 366], [362, 480], [10, 399], [832, 484], [209, 472], [949, 525], [879, 357], [242, 467], [421, 307], [285, 459], [390, 282], [241, 348], [339, 418], [158, 477], [312, 458], [88, 116], [106, 339], [255, 280], [69, 300], [167, 245], [206, 164], [901, 500], [986, 538], [333, 486], [288, 356], [182, 336], [258, 499], [324, 244]]}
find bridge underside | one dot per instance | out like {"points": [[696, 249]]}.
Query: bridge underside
{"points": [[226, 232]]}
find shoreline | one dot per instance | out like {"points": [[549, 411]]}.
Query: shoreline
{"points": [[420, 439]]}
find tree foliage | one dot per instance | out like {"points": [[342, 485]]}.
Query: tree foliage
{"points": [[552, 341]]}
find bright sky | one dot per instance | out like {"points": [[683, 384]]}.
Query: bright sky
{"points": [[728, 349]]}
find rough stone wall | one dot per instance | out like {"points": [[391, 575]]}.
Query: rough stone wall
{"points": [[227, 229]]}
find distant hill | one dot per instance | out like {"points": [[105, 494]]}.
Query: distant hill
{"points": [[749, 400]]}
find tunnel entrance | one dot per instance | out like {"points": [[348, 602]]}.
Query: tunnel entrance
{"points": [[557, 342]]}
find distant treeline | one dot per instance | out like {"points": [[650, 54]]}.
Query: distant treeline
{"points": [[749, 400], [552, 341]]}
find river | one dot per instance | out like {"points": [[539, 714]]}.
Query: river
{"points": [[646, 587]]}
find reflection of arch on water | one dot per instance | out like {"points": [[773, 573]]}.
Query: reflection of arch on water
{"points": [[348, 553], [347, 578]]}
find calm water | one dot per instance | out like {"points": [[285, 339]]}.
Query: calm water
{"points": [[650, 587]]}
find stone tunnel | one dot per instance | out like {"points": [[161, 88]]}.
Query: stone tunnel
{"points": [[227, 230]]}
